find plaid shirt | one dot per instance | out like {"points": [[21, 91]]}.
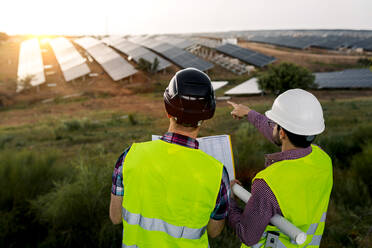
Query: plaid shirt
{"points": [[222, 203]]}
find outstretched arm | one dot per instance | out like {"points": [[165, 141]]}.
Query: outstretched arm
{"points": [[260, 121]]}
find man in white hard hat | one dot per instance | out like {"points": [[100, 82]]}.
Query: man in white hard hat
{"points": [[296, 182]]}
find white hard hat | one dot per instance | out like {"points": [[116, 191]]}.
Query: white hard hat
{"points": [[298, 111]]}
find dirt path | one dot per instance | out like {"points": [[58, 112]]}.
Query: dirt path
{"points": [[41, 112], [316, 62], [137, 104]]}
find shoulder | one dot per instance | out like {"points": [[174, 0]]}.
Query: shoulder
{"points": [[120, 160], [318, 149]]}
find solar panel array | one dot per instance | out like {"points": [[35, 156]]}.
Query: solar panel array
{"points": [[366, 44], [353, 78], [182, 58], [246, 55], [303, 40], [176, 41], [136, 52], [30, 63], [71, 62], [286, 41], [115, 65], [249, 87]]}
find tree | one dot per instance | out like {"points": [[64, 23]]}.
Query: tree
{"points": [[145, 65], [155, 65], [365, 62], [285, 76]]}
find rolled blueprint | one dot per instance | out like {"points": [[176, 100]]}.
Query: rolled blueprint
{"points": [[284, 225]]}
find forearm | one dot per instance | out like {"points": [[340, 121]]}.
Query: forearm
{"points": [[115, 209], [260, 121], [248, 225], [215, 227]]}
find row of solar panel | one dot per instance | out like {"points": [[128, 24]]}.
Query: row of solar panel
{"points": [[175, 41], [72, 64], [353, 78], [328, 42], [136, 52], [246, 55], [115, 65], [30, 64], [173, 53]]}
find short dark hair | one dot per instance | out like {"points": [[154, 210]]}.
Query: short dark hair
{"points": [[297, 140]]}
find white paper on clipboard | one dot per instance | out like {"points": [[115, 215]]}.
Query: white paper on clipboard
{"points": [[219, 147]]}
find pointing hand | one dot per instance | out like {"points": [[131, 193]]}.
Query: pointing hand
{"points": [[239, 110]]}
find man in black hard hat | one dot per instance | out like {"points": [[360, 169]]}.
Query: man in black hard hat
{"points": [[167, 192]]}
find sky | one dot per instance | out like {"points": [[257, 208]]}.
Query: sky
{"points": [[78, 17]]}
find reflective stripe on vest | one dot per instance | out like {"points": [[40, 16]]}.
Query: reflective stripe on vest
{"points": [[152, 224], [129, 246], [311, 231]]}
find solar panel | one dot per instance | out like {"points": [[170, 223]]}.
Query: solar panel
{"points": [[353, 78], [218, 84], [302, 40], [176, 41], [246, 55], [366, 44], [30, 63], [249, 87], [182, 58], [115, 66], [137, 52], [71, 62]]}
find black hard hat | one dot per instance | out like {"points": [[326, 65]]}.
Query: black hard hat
{"points": [[190, 97]]}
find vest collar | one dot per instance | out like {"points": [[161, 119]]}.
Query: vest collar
{"points": [[287, 155]]}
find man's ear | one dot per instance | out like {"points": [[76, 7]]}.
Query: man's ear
{"points": [[169, 116], [282, 134]]}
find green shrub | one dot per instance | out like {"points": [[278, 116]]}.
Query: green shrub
{"points": [[341, 147], [349, 190], [285, 76], [365, 61], [72, 125], [77, 211], [362, 167], [4, 139], [132, 119], [145, 65], [24, 176]]}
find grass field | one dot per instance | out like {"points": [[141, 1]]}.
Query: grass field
{"points": [[56, 172], [57, 157]]}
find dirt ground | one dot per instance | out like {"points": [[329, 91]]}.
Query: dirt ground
{"points": [[153, 107], [81, 97], [315, 60]]}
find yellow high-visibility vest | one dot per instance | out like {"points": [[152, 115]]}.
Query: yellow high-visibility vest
{"points": [[170, 192], [302, 188]]}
